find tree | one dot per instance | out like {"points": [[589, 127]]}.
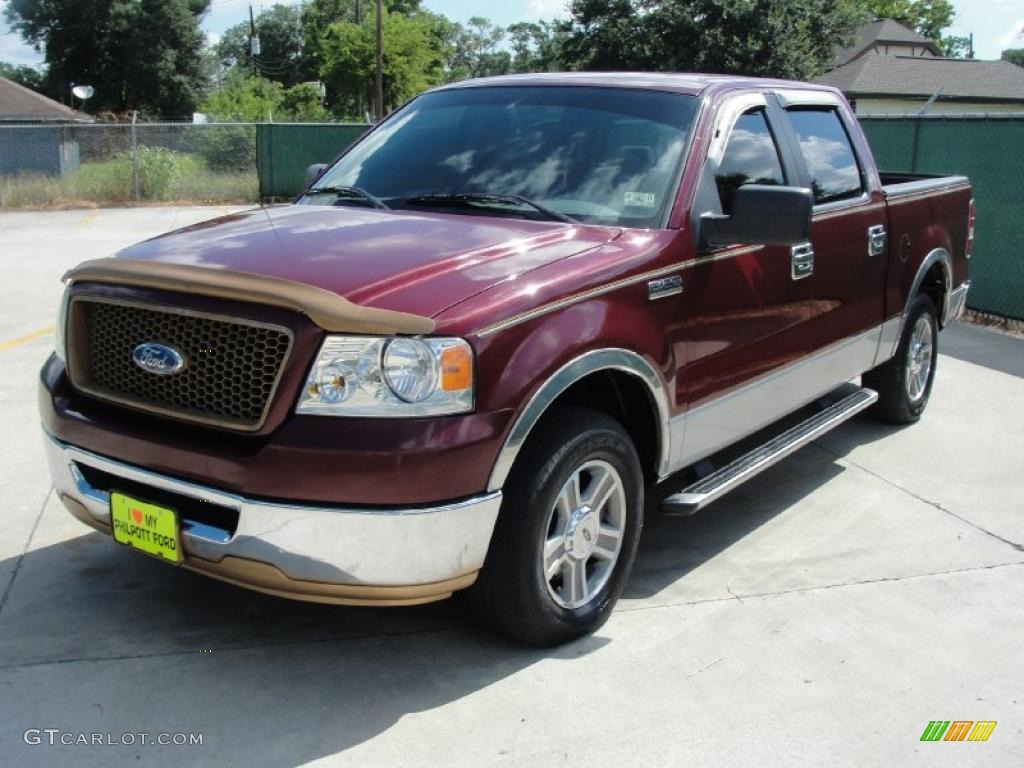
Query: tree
{"points": [[280, 32], [318, 15], [778, 38], [138, 54], [1014, 56], [476, 50], [27, 76], [303, 102], [248, 98], [536, 47], [413, 61], [161, 68]]}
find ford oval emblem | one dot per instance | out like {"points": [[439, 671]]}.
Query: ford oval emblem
{"points": [[158, 358]]}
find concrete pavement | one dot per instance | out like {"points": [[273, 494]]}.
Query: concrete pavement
{"points": [[823, 613]]}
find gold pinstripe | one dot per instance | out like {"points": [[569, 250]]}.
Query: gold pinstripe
{"points": [[600, 290]]}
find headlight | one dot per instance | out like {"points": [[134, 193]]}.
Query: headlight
{"points": [[389, 377], [59, 342]]}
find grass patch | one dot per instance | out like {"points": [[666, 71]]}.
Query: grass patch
{"points": [[164, 176]]}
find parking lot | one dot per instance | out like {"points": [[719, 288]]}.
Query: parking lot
{"points": [[822, 614]]}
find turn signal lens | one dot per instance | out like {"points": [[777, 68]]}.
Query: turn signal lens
{"points": [[456, 369]]}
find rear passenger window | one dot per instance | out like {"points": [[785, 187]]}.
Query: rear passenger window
{"points": [[828, 154], [750, 157]]}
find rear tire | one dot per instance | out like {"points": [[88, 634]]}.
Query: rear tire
{"points": [[567, 533], [904, 383]]}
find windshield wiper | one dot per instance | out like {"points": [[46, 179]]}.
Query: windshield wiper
{"points": [[349, 193], [483, 199]]}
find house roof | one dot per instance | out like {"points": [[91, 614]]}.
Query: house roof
{"points": [[23, 105], [883, 31], [903, 76]]}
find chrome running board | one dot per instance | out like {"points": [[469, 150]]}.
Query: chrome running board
{"points": [[720, 482]]}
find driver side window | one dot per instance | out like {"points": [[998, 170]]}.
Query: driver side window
{"points": [[750, 157]]}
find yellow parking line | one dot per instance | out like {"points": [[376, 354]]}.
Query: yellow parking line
{"points": [[26, 338], [88, 218]]}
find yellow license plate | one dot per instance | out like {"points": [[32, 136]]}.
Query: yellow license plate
{"points": [[146, 527]]}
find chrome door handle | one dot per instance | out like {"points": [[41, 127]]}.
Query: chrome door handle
{"points": [[876, 240], [802, 260]]}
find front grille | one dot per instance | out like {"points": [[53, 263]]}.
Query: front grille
{"points": [[231, 369]]}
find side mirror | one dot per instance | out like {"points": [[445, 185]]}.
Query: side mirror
{"points": [[762, 214], [314, 171]]}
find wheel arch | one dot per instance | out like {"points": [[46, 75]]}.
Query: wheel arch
{"points": [[935, 278], [627, 373]]}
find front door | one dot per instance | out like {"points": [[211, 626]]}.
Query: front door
{"points": [[748, 314]]}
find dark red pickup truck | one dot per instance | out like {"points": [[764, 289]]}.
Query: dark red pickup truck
{"points": [[482, 334]]}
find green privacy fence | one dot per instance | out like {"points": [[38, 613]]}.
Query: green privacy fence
{"points": [[285, 150], [990, 150]]}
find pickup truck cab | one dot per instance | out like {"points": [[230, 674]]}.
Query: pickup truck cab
{"points": [[480, 336]]}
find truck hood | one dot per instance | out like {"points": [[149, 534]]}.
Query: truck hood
{"points": [[421, 263]]}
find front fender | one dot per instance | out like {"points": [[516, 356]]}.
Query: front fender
{"points": [[527, 366]]}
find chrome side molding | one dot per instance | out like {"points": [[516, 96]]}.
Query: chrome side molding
{"points": [[956, 302]]}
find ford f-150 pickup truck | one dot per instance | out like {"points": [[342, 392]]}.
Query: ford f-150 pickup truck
{"points": [[475, 341]]}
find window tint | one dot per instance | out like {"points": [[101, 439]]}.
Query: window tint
{"points": [[750, 158], [608, 156], [828, 154]]}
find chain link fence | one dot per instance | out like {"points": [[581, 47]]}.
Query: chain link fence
{"points": [[990, 150], [44, 166]]}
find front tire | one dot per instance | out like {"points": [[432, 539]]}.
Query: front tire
{"points": [[904, 383], [567, 533]]}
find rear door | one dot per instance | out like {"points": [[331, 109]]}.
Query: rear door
{"points": [[848, 237]]}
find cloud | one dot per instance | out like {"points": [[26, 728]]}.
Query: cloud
{"points": [[1014, 37], [14, 51], [547, 9]]}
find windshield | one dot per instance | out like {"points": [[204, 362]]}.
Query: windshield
{"points": [[598, 155]]}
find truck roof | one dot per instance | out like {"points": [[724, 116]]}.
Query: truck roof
{"points": [[679, 82]]}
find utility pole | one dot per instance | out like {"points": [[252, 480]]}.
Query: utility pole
{"points": [[360, 108], [379, 74], [254, 41]]}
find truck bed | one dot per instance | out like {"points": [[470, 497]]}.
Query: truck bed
{"points": [[898, 184]]}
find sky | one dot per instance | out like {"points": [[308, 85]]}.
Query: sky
{"points": [[996, 24]]}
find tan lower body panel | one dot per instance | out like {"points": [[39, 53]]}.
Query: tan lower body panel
{"points": [[264, 577]]}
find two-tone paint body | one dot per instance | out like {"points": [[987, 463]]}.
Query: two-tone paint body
{"points": [[734, 343]]}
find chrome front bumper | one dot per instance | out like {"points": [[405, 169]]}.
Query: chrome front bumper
{"points": [[325, 554]]}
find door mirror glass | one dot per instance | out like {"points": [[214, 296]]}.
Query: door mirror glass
{"points": [[762, 214], [313, 171]]}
